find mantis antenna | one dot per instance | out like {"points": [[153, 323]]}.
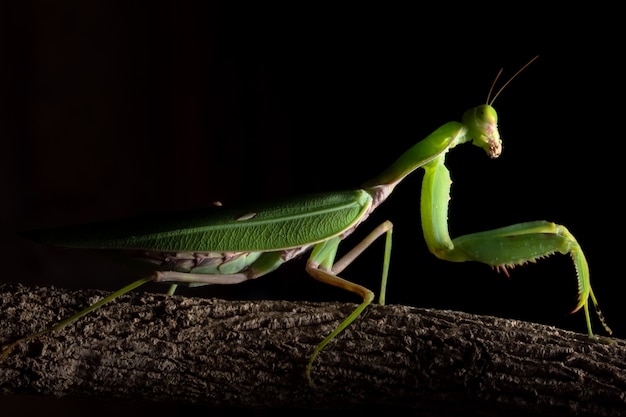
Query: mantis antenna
{"points": [[506, 83]]}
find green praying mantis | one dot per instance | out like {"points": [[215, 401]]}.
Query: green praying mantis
{"points": [[221, 245]]}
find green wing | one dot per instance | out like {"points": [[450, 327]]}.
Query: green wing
{"points": [[283, 224]]}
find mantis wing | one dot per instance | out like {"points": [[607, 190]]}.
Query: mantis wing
{"points": [[284, 224]]}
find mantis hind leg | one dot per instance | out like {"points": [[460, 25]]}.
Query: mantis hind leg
{"points": [[65, 322], [172, 277]]}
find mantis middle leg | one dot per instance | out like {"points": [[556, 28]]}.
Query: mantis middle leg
{"points": [[322, 266]]}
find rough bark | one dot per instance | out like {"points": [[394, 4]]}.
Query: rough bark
{"points": [[253, 355]]}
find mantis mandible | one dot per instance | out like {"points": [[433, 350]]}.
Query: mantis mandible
{"points": [[230, 245]]}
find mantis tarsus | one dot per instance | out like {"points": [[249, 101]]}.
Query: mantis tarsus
{"points": [[230, 245]]}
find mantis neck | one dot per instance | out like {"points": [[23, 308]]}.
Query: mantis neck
{"points": [[437, 143]]}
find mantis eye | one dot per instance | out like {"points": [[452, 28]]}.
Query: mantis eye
{"points": [[480, 117], [486, 114]]}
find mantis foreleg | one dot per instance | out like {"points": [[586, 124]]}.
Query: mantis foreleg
{"points": [[523, 242], [503, 247]]}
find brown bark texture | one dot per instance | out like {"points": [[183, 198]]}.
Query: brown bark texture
{"points": [[252, 355]]}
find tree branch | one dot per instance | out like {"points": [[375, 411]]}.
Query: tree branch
{"points": [[253, 354]]}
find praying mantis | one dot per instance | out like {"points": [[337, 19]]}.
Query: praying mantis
{"points": [[230, 245]]}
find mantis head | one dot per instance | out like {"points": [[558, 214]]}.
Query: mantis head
{"points": [[482, 121], [482, 129]]}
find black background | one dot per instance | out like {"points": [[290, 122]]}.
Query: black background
{"points": [[113, 110]]}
